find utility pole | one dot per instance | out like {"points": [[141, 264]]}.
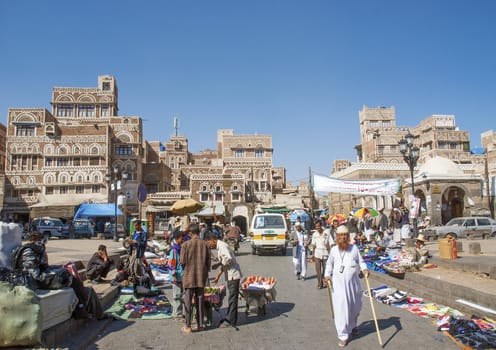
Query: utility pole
{"points": [[488, 186], [310, 191]]}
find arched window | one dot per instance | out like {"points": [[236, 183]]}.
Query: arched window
{"points": [[63, 178], [49, 179]]}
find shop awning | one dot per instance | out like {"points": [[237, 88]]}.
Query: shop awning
{"points": [[54, 211], [158, 208], [87, 210], [209, 211]]}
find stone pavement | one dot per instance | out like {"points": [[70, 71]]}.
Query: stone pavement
{"points": [[466, 278]]}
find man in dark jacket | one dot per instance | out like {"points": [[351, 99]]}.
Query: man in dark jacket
{"points": [[195, 259], [99, 265]]}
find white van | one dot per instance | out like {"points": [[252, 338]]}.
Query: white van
{"points": [[269, 232]]}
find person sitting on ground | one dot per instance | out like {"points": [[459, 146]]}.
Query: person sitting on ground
{"points": [[99, 265], [360, 239], [412, 258], [421, 249], [33, 260], [382, 242]]}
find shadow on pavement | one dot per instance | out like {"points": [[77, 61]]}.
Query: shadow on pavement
{"points": [[273, 310], [368, 327], [115, 326]]}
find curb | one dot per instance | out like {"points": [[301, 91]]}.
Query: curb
{"points": [[438, 291], [466, 266], [65, 334]]}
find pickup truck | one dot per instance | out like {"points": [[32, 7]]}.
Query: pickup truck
{"points": [[474, 227]]}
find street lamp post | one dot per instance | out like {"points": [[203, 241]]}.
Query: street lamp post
{"points": [[116, 178], [410, 155]]}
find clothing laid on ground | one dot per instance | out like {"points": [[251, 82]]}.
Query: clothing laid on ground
{"points": [[343, 268]]}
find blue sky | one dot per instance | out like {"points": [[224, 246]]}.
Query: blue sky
{"points": [[298, 70]]}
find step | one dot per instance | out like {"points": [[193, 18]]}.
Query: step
{"points": [[440, 292], [466, 264]]}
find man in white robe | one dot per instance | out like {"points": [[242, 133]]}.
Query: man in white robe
{"points": [[342, 267], [300, 241]]}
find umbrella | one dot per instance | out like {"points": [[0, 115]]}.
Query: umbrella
{"points": [[361, 212], [340, 217], [304, 217], [186, 206]]}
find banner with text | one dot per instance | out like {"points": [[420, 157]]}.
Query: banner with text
{"points": [[388, 187]]}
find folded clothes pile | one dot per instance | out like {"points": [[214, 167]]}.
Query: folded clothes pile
{"points": [[128, 307], [469, 333], [389, 296]]}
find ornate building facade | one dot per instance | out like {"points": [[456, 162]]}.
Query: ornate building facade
{"points": [[58, 160]]}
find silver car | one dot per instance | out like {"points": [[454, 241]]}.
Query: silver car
{"points": [[464, 227]]}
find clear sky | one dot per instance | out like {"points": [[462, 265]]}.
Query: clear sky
{"points": [[297, 70]]}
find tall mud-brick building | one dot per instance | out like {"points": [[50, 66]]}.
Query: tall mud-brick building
{"points": [[58, 159]]}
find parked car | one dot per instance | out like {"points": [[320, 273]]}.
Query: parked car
{"points": [[49, 227], [464, 227], [83, 228], [109, 231]]}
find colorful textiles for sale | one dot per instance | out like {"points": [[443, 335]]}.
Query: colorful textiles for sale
{"points": [[128, 306], [476, 333], [469, 333]]}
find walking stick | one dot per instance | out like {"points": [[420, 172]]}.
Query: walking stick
{"points": [[373, 311], [330, 298]]}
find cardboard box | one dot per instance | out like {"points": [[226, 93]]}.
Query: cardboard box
{"points": [[447, 248]]}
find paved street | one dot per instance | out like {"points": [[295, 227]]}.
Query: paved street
{"points": [[299, 319]]}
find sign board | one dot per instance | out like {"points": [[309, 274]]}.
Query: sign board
{"points": [[142, 193]]}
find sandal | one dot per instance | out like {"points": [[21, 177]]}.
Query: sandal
{"points": [[186, 330], [342, 343]]}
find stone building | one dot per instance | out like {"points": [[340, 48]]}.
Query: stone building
{"points": [[441, 143], [229, 180], [57, 160], [436, 135], [3, 141]]}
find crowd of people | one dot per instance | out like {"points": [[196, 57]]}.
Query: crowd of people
{"points": [[335, 252], [190, 260]]}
